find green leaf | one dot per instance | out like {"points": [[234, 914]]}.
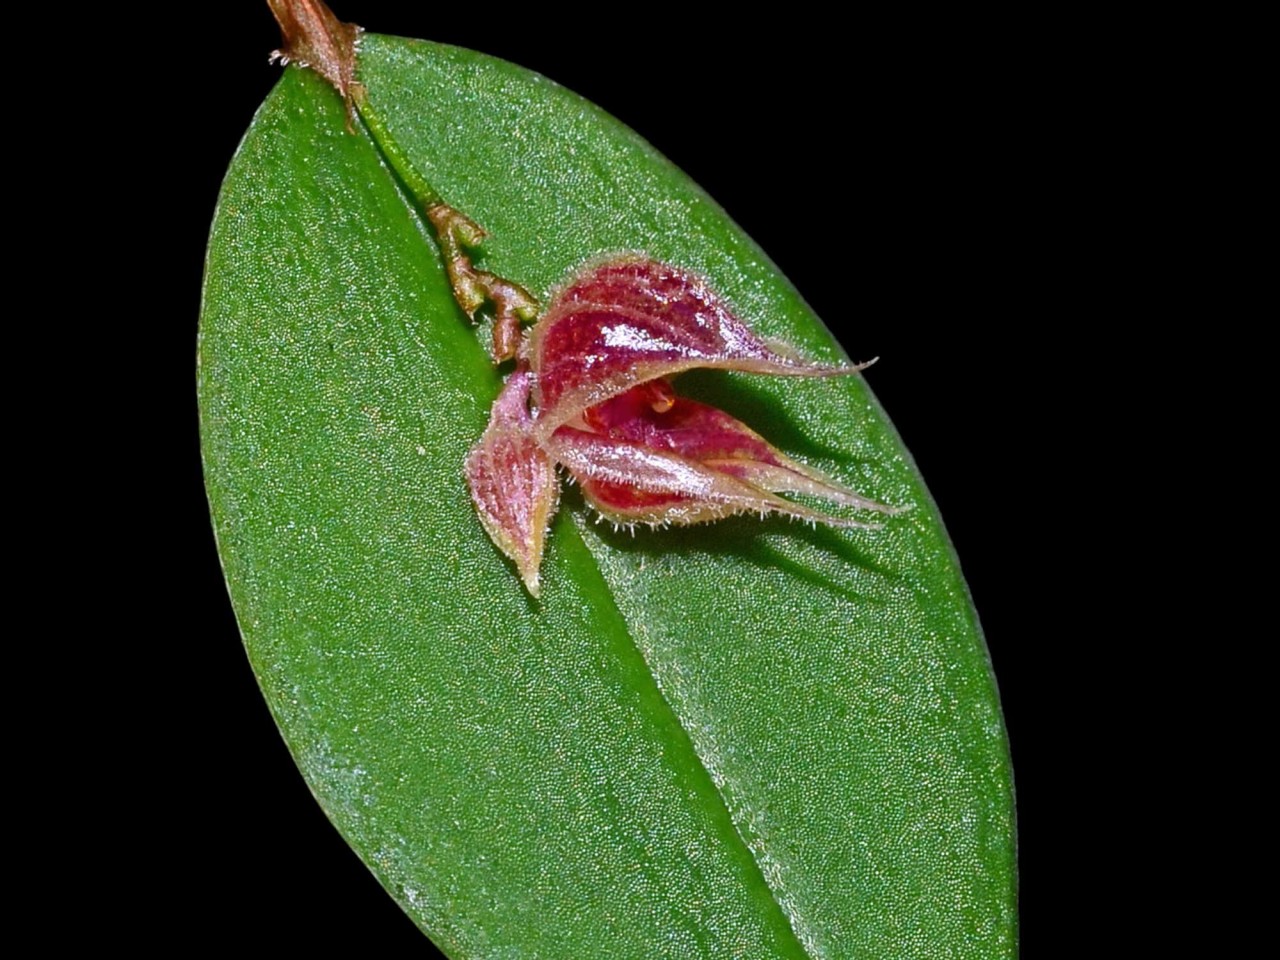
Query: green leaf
{"points": [[741, 740]]}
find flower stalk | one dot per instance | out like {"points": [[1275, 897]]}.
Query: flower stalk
{"points": [[316, 39]]}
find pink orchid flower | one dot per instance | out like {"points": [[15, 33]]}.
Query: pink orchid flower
{"points": [[592, 394]]}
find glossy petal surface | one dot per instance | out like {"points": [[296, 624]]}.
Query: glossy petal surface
{"points": [[712, 437], [744, 740], [626, 320]]}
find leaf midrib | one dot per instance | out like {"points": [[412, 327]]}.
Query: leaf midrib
{"points": [[569, 540]]}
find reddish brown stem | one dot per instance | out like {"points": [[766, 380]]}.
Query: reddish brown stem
{"points": [[315, 38]]}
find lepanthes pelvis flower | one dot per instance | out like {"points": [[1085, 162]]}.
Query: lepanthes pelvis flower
{"points": [[592, 394]]}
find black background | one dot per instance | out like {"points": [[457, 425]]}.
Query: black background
{"points": [[906, 176]]}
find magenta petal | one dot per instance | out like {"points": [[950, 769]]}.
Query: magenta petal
{"points": [[629, 320], [513, 482], [629, 482]]}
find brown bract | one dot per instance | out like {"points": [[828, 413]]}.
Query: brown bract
{"points": [[315, 38]]}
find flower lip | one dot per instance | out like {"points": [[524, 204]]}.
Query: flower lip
{"points": [[693, 462]]}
